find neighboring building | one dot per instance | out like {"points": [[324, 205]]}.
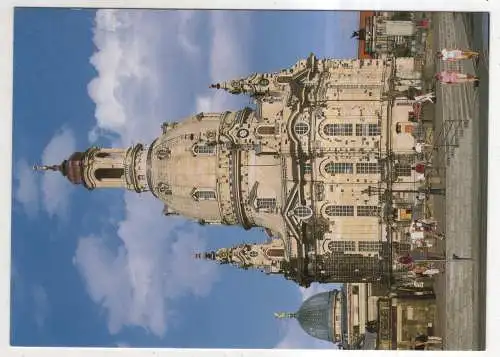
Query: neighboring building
{"points": [[362, 309], [361, 316], [298, 164], [323, 316], [404, 318], [385, 32]]}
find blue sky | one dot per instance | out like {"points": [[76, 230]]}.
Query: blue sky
{"points": [[105, 268]]}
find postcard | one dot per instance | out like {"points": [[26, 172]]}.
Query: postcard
{"points": [[249, 179]]}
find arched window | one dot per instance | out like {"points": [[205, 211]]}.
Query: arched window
{"points": [[205, 195], [337, 129], [266, 130], [339, 211], [204, 149], [108, 173], [302, 212], [339, 168], [163, 153], [301, 128]]}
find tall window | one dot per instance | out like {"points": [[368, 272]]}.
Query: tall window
{"points": [[307, 168], [204, 149], [338, 129], [403, 169], [341, 246], [367, 129], [367, 168], [266, 130], [367, 211], [339, 168], [108, 173], [266, 203], [339, 211], [204, 195]]}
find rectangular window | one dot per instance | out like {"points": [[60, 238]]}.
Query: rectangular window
{"points": [[368, 130], [307, 168], [266, 203], [341, 246], [370, 246], [368, 211], [402, 170], [339, 211], [266, 130], [367, 168], [204, 149]]}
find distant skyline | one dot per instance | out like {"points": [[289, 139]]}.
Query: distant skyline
{"points": [[105, 268]]}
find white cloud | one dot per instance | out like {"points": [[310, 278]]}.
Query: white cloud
{"points": [[152, 266], [295, 337], [41, 305], [227, 58], [55, 188], [26, 188], [148, 65]]}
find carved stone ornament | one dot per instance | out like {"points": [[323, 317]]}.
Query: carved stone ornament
{"points": [[164, 188], [163, 153]]}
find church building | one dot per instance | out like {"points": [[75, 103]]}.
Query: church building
{"points": [[302, 163]]}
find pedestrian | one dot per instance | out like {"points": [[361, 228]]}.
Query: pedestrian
{"points": [[431, 272], [419, 147], [440, 235], [456, 55], [453, 77], [424, 23], [420, 167], [429, 97]]}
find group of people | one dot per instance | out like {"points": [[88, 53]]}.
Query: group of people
{"points": [[455, 77]]}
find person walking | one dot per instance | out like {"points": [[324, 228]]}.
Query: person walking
{"points": [[453, 77], [420, 146], [456, 55], [429, 97]]}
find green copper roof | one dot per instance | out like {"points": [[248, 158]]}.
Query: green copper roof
{"points": [[315, 316]]}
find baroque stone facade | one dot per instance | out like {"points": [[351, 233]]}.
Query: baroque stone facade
{"points": [[298, 164]]}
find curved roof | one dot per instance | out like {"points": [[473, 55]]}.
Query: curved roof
{"points": [[72, 168], [315, 315]]}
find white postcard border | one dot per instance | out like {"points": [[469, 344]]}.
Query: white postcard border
{"points": [[6, 34]]}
